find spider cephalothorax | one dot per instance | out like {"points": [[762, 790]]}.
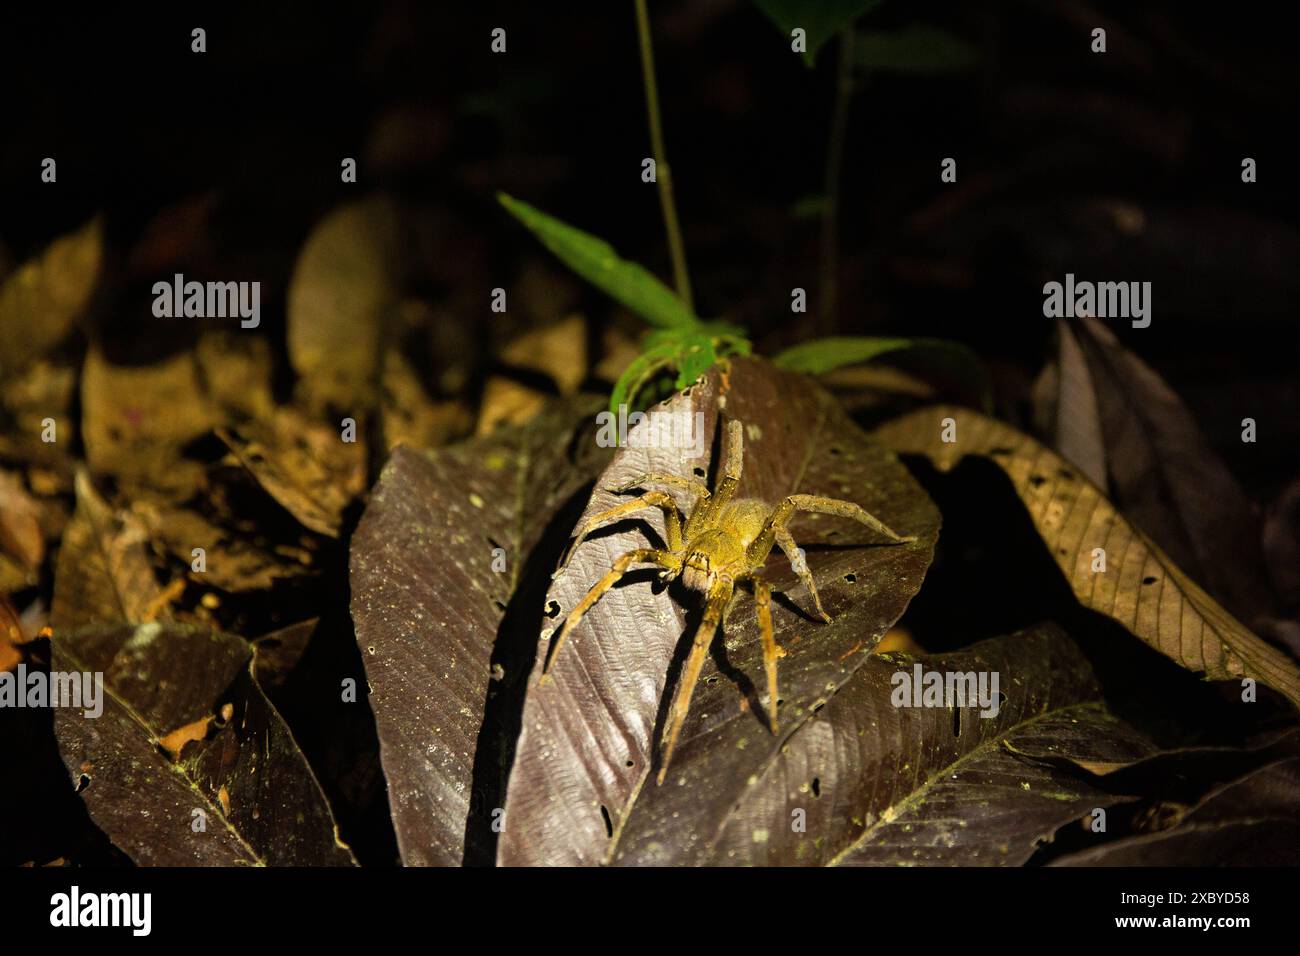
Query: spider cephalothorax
{"points": [[725, 542]]}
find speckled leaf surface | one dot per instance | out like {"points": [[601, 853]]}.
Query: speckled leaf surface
{"points": [[1141, 588], [429, 608], [1251, 821], [960, 789], [239, 792], [581, 784]]}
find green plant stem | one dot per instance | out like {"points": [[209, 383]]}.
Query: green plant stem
{"points": [[663, 176], [830, 241]]}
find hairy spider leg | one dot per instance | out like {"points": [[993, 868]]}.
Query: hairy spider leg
{"points": [[762, 545], [651, 499], [699, 488], [706, 511], [763, 605], [620, 567], [719, 596], [791, 550]]}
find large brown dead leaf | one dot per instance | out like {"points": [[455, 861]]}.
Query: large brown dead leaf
{"points": [[233, 765], [1142, 588], [438, 569], [583, 764], [1116, 418]]}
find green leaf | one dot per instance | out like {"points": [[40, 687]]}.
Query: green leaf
{"points": [[820, 19], [642, 369], [595, 260], [914, 49]]}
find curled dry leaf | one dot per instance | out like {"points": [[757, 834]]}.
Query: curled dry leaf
{"points": [[1141, 588], [581, 776], [43, 298], [104, 572], [1118, 418], [186, 735], [438, 563]]}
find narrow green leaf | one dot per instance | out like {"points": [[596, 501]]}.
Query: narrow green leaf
{"points": [[595, 260]]}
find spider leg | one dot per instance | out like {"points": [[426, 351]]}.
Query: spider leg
{"points": [[690, 676], [651, 499], [706, 510], [762, 545], [620, 567], [786, 540], [699, 488], [771, 652]]}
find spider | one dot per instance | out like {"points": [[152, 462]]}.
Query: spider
{"points": [[725, 542]]}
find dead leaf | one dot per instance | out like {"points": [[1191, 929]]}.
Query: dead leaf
{"points": [[1142, 588], [43, 298], [135, 420], [345, 285], [580, 785], [1117, 417], [248, 782], [103, 571], [445, 587], [303, 464], [20, 526], [558, 350]]}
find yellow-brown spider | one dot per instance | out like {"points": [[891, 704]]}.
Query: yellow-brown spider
{"points": [[725, 542]]}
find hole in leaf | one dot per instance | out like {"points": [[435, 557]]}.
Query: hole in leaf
{"points": [[956, 721], [553, 609], [698, 471], [817, 786], [1148, 580], [851, 578], [609, 824], [83, 782]]}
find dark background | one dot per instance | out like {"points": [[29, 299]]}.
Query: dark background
{"points": [[1123, 166], [1049, 138]]}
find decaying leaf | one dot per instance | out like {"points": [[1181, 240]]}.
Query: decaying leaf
{"points": [[407, 413], [1141, 587], [589, 736], [103, 572], [163, 805], [345, 284], [1252, 821], [1117, 417], [558, 350], [437, 561], [20, 527], [135, 420], [40, 301], [304, 465], [233, 561]]}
